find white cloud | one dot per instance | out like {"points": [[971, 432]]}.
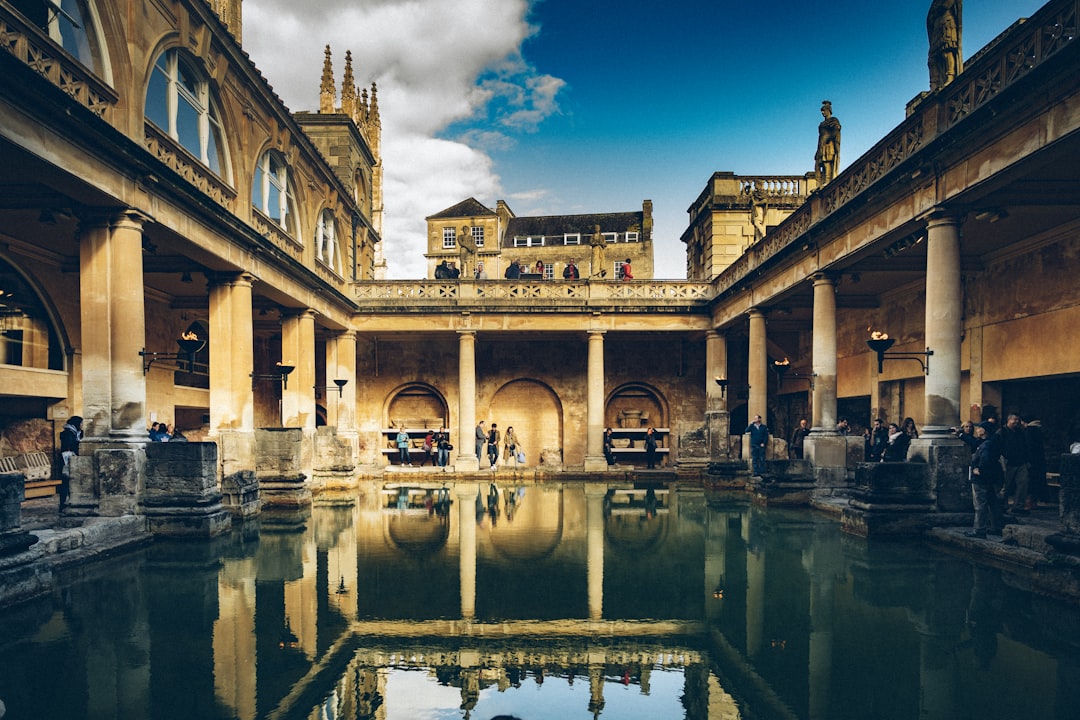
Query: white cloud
{"points": [[436, 63]]}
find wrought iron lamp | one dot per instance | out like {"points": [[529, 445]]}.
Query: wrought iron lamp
{"points": [[189, 342], [880, 343], [281, 374], [339, 385], [783, 366]]}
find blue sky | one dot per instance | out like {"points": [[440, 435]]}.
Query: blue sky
{"points": [[579, 106]]}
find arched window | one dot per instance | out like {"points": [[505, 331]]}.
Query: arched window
{"points": [[271, 192], [65, 21], [179, 101], [326, 241]]}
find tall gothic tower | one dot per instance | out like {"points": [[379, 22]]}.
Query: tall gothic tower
{"points": [[231, 13]]}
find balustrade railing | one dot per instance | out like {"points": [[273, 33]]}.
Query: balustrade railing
{"points": [[526, 295]]}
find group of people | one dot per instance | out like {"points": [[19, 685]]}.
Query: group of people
{"points": [[160, 432], [448, 270], [888, 443], [650, 447], [488, 442], [436, 447], [1006, 462]]}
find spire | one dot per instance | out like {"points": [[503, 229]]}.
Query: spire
{"points": [[327, 93], [362, 111], [374, 108], [348, 87]]}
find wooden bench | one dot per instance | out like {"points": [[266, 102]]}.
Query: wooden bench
{"points": [[36, 469]]}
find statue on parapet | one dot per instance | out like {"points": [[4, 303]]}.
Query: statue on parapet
{"points": [[599, 250], [943, 28], [827, 157], [759, 206], [466, 249]]}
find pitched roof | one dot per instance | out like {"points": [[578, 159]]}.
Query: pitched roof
{"points": [[583, 224], [466, 208]]}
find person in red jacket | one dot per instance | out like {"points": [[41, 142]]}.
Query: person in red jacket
{"points": [[626, 271]]}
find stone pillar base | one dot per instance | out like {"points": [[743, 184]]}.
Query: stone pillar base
{"points": [[890, 499], [279, 467], [181, 497], [240, 493], [466, 463], [947, 459], [594, 463], [718, 431]]}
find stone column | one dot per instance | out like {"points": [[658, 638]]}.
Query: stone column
{"points": [[824, 393], [298, 350], [944, 310], [594, 449], [113, 327], [757, 367], [341, 365], [465, 442], [824, 448], [232, 354], [717, 418], [936, 446]]}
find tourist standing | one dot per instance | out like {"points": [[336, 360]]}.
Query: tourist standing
{"points": [[759, 440], [985, 477], [797, 438], [70, 436], [493, 446], [650, 448], [1014, 450], [609, 446], [876, 440], [570, 272], [510, 445], [442, 447], [481, 439], [403, 446], [896, 447]]}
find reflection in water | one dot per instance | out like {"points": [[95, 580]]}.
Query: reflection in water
{"points": [[568, 600]]}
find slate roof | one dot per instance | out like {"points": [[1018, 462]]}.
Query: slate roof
{"points": [[552, 225], [466, 208]]}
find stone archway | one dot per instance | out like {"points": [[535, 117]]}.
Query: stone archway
{"points": [[534, 411], [636, 405]]}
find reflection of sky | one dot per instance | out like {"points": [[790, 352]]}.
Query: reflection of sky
{"points": [[413, 695]]}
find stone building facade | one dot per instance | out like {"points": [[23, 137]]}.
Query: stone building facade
{"points": [[469, 233], [956, 234]]}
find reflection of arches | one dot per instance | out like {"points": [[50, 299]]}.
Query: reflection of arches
{"points": [[636, 405], [536, 529], [534, 411], [418, 534], [634, 534], [416, 405]]}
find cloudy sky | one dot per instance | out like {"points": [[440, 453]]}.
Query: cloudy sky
{"points": [[582, 106]]}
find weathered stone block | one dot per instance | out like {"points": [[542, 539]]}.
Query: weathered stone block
{"points": [[1069, 497], [332, 454], [241, 493], [11, 497], [892, 483]]}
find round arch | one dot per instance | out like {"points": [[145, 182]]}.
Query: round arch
{"points": [[415, 405], [534, 410], [636, 405], [26, 308]]}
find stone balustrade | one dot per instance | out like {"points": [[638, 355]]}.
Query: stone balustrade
{"points": [[773, 187], [527, 295]]}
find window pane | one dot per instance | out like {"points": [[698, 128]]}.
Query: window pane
{"points": [[74, 35], [157, 105], [273, 203], [187, 126], [213, 142]]}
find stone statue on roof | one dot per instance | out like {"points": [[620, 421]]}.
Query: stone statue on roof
{"points": [[827, 156], [943, 24], [599, 250]]}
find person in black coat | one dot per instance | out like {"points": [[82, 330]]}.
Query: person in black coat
{"points": [[986, 476], [896, 447]]}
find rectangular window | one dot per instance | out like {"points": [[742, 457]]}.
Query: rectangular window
{"points": [[572, 239], [549, 271], [529, 241], [449, 238], [478, 236], [611, 237], [631, 237]]}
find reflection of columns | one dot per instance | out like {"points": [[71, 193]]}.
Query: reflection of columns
{"points": [[715, 367], [594, 541], [821, 636], [465, 499], [298, 349], [755, 597], [234, 639], [232, 353], [466, 440], [824, 394], [113, 327], [943, 320], [594, 453], [757, 368]]}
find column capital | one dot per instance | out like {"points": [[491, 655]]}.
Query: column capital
{"points": [[821, 278], [466, 332], [756, 312], [941, 216], [230, 278], [298, 313]]}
